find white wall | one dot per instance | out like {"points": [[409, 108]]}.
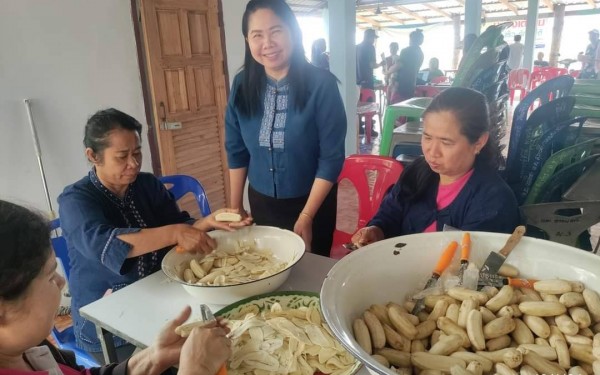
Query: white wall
{"points": [[234, 40], [71, 57]]}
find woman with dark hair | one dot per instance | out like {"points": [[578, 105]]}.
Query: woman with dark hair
{"points": [[456, 182], [119, 222], [285, 129], [30, 292], [318, 54]]}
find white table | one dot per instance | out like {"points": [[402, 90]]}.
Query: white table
{"points": [[139, 311]]}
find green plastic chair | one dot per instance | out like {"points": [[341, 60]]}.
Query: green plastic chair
{"points": [[573, 160]]}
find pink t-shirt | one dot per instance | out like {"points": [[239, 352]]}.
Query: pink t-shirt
{"points": [[446, 195]]}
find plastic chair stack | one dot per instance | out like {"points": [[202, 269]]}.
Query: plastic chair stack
{"points": [[356, 168], [565, 222], [65, 339], [181, 185]]}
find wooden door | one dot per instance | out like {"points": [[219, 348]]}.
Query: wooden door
{"points": [[184, 57]]}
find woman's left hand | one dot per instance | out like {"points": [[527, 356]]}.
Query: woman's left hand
{"points": [[303, 228], [210, 222], [166, 349]]}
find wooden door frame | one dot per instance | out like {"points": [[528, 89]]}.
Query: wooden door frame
{"points": [[141, 55]]}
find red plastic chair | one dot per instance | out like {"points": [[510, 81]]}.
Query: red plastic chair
{"points": [[518, 80], [574, 73], [355, 170], [368, 107], [426, 91], [441, 79]]}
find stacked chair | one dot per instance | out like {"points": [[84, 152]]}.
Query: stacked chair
{"points": [[587, 98], [482, 69], [545, 157]]}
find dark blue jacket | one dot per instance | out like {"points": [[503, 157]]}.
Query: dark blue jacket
{"points": [[311, 142], [91, 220], [485, 203]]}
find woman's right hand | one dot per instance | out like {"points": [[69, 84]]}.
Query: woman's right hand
{"points": [[367, 235], [192, 239], [204, 351]]}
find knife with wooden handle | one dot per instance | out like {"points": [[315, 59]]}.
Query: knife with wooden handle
{"points": [[495, 260]]}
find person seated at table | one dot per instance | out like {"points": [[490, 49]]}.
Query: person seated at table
{"points": [[432, 72], [540, 60], [30, 293], [456, 182], [119, 222]]}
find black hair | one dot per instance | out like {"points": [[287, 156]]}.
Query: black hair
{"points": [[24, 249], [416, 37], [394, 45], [471, 111], [517, 38], [254, 77], [102, 123]]}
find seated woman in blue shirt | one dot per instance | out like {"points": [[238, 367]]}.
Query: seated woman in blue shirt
{"points": [[456, 182], [119, 222], [30, 292], [285, 129]]}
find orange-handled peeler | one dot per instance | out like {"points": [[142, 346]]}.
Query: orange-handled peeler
{"points": [[440, 267]]}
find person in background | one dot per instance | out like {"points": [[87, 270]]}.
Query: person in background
{"points": [[407, 68], [515, 57], [366, 61], [30, 292], [590, 61], [456, 182], [434, 70], [285, 127], [319, 56], [119, 223], [540, 60], [391, 60]]}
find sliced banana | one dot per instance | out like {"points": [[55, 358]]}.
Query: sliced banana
{"points": [[184, 330], [228, 216]]}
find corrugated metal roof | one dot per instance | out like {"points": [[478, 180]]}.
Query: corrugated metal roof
{"points": [[389, 13]]}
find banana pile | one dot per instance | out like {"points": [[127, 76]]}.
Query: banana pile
{"points": [[232, 267], [553, 328]]}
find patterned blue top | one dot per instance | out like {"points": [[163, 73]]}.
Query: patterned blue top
{"points": [[283, 148], [91, 218]]}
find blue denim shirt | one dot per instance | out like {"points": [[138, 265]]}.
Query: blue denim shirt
{"points": [[485, 203], [285, 149], [91, 219]]}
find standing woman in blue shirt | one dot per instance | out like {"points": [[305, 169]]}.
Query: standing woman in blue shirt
{"points": [[119, 222], [285, 129]]}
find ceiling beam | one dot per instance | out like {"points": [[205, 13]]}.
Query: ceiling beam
{"points": [[410, 13], [461, 2], [391, 18], [368, 20], [438, 10], [549, 4], [510, 6], [592, 3]]}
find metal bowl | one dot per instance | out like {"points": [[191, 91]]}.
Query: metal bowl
{"points": [[285, 245], [388, 271]]}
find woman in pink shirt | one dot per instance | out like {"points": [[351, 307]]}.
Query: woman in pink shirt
{"points": [[456, 182], [30, 291]]}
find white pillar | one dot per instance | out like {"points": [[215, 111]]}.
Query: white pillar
{"points": [[342, 62], [530, 32], [472, 17]]}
